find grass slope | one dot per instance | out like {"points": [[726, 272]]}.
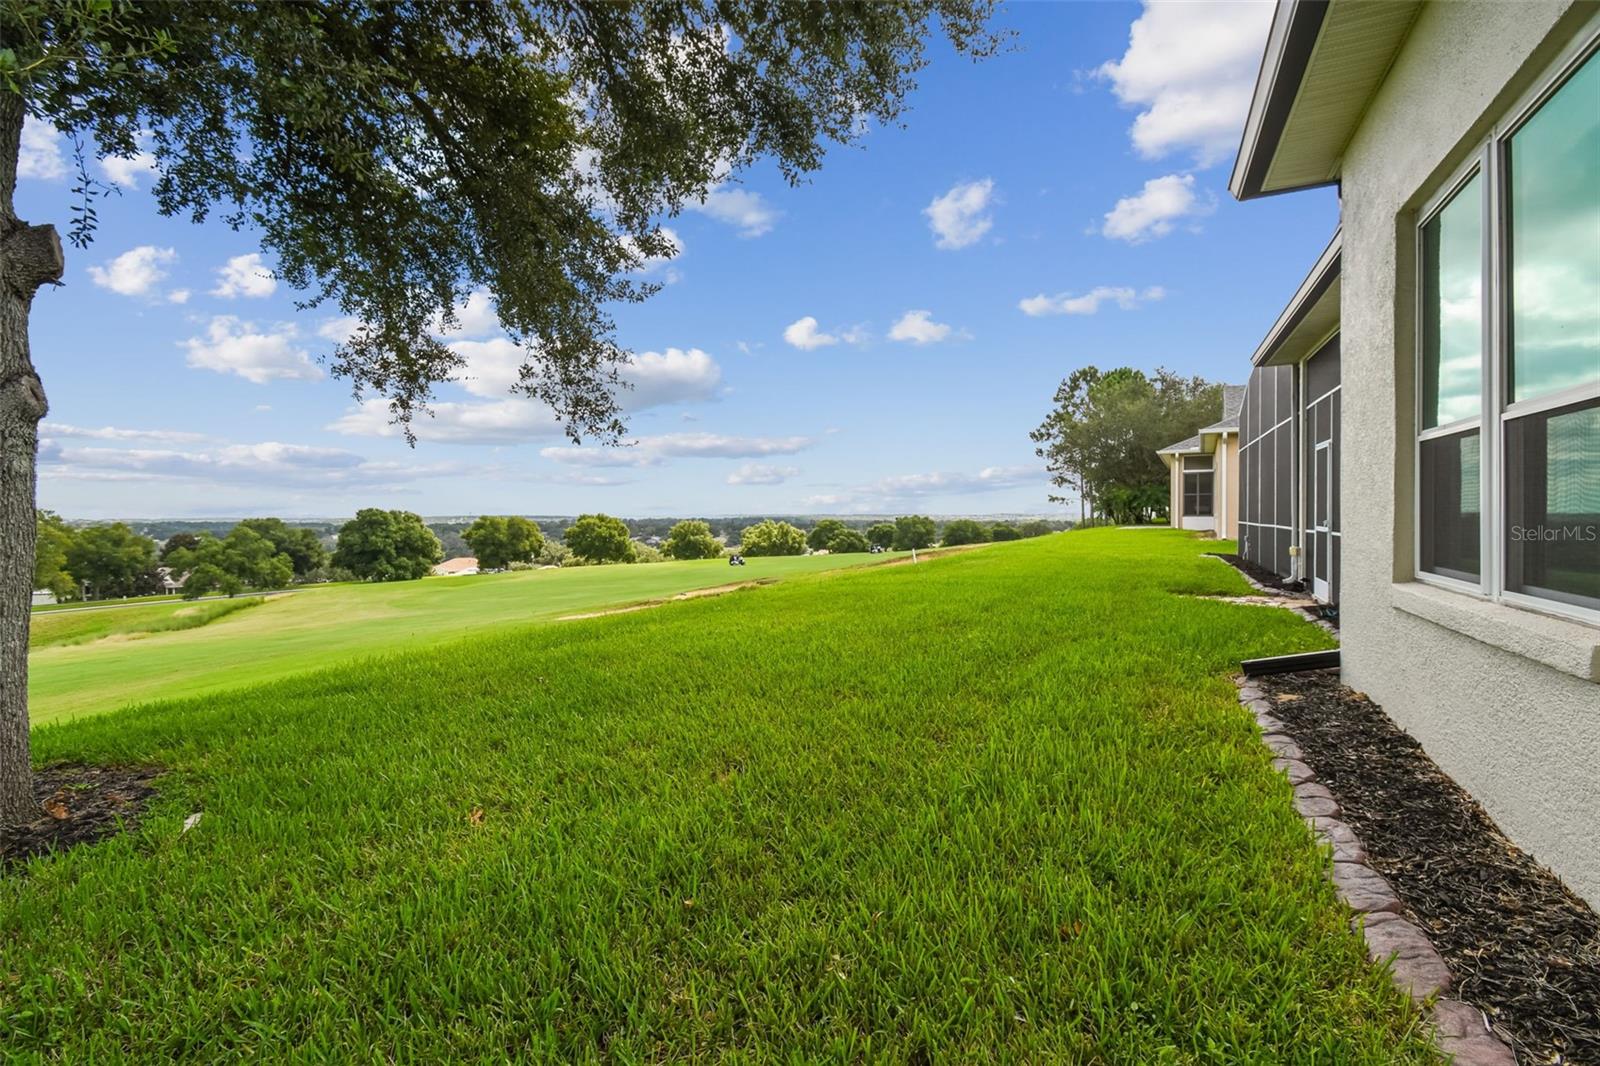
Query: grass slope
{"points": [[1001, 806], [83, 627], [320, 626]]}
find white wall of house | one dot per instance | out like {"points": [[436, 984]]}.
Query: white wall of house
{"points": [[1502, 698]]}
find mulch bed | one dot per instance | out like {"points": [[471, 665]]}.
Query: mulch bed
{"points": [[1520, 945], [1277, 583], [78, 805]]}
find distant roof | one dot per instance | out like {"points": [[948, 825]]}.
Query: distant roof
{"points": [[1232, 404], [457, 565]]}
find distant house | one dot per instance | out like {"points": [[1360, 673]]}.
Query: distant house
{"points": [[1291, 438], [1204, 472], [43, 597], [1456, 516], [171, 584], [457, 567]]}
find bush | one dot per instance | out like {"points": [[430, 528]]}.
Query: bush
{"points": [[554, 553], [772, 538], [692, 539], [1035, 527], [913, 531], [600, 538], [965, 531], [1004, 531], [643, 553], [848, 542], [881, 534]]}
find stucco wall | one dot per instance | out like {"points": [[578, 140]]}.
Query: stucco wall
{"points": [[1228, 481], [1523, 737]]}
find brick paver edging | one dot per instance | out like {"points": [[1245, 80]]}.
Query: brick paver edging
{"points": [[1460, 1029]]}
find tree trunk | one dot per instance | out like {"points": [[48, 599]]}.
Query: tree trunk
{"points": [[30, 256]]}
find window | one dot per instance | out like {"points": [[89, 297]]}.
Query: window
{"points": [[1198, 480], [1508, 440]]}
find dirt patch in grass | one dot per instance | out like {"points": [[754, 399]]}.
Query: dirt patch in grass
{"points": [[1520, 945], [78, 805]]}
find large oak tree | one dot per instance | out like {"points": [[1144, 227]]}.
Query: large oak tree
{"points": [[394, 157]]}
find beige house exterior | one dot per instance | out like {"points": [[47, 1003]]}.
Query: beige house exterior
{"points": [[1464, 138], [1203, 473]]}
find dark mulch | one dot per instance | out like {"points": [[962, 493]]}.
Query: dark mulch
{"points": [[78, 805], [1278, 583], [1519, 944]]}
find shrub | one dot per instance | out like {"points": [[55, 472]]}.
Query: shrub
{"points": [[1004, 531], [772, 538]]}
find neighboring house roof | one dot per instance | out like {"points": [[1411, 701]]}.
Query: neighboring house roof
{"points": [[459, 565], [1324, 62], [1189, 445], [1312, 314], [1205, 440]]}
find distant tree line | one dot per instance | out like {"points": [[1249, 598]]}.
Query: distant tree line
{"points": [[115, 560]]}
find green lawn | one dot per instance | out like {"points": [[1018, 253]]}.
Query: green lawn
{"points": [[1000, 806], [320, 626]]}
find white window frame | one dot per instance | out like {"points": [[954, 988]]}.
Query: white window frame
{"points": [[1488, 161]]}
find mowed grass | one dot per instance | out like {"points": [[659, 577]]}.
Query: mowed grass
{"points": [[321, 626], [60, 629], [997, 807]]}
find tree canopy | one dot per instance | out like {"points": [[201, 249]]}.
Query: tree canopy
{"points": [[113, 560], [379, 545], [245, 558], [1102, 436], [848, 542], [965, 531], [302, 546], [692, 539], [823, 532], [914, 531], [50, 557], [500, 540], [881, 534], [600, 538], [769, 537]]}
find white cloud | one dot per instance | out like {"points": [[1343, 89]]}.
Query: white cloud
{"points": [[737, 207], [40, 155], [1190, 67], [960, 217], [235, 347], [508, 421], [762, 474], [886, 493], [245, 275], [650, 451], [653, 265], [492, 367], [1065, 303], [125, 170], [169, 436], [474, 316], [1153, 211], [918, 327], [134, 272], [804, 334], [230, 465], [178, 296]]}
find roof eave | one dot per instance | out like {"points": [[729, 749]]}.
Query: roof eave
{"points": [[1290, 41]]}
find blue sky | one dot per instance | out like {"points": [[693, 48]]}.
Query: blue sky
{"points": [[880, 339]]}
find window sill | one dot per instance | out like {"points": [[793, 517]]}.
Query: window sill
{"points": [[1568, 646]]}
